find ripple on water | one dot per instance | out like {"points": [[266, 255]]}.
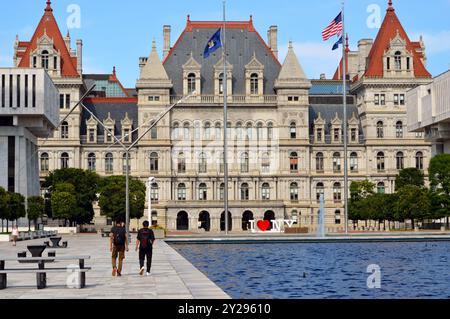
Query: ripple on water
{"points": [[274, 271]]}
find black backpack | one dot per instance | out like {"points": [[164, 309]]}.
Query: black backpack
{"points": [[119, 237], [145, 238]]}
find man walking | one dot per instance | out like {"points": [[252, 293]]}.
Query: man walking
{"points": [[118, 244], [144, 243]]}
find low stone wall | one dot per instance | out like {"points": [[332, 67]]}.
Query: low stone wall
{"points": [[62, 230], [4, 238]]}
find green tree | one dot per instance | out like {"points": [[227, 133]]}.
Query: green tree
{"points": [[86, 188], [64, 205], [4, 211], [381, 207], [410, 176], [439, 171], [112, 197], [413, 203], [359, 192], [16, 206], [36, 207]]}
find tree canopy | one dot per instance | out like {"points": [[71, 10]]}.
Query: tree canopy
{"points": [[410, 177]]}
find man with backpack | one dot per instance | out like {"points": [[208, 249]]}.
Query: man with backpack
{"points": [[118, 244], [144, 243]]}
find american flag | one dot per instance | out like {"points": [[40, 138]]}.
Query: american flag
{"points": [[335, 28]]}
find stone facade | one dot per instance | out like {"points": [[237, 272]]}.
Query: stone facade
{"points": [[285, 131]]}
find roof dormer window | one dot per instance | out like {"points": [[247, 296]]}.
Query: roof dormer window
{"points": [[44, 59], [398, 60]]}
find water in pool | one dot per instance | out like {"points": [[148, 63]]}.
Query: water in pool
{"points": [[298, 271]]}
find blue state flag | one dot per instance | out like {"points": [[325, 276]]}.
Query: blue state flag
{"points": [[336, 45], [213, 44]]}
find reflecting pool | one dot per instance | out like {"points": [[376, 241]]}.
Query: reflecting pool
{"points": [[306, 270]]}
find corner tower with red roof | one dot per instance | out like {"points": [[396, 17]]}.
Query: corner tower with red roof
{"points": [[380, 73]]}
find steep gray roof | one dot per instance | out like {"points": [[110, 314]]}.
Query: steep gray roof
{"points": [[328, 113], [117, 110], [241, 45]]}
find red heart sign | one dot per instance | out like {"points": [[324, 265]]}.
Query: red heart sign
{"points": [[263, 225]]}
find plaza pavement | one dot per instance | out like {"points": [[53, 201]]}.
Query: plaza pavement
{"points": [[173, 277]]}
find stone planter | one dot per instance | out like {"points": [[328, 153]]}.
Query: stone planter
{"points": [[4, 238], [416, 229], [159, 233], [442, 228]]}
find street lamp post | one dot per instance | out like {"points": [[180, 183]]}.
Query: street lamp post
{"points": [[149, 191]]}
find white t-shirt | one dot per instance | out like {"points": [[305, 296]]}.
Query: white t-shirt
{"points": [[15, 232]]}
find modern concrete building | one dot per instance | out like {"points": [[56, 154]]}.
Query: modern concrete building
{"points": [[28, 111], [286, 131], [429, 112]]}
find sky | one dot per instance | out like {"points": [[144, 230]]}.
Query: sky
{"points": [[117, 33]]}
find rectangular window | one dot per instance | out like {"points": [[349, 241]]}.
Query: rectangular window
{"points": [[353, 135], [396, 101], [34, 62], [55, 63], [408, 63], [10, 90], [26, 90], [388, 63], [377, 99], [3, 90], [91, 135], [336, 134], [126, 134], [18, 90], [382, 99], [67, 101], [61, 101], [34, 91], [402, 99]]}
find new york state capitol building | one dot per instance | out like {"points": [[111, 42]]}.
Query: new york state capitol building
{"points": [[286, 131]]}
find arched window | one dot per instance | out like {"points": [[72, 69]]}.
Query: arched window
{"points": [[400, 160], [154, 131], [181, 163], [239, 131], [218, 134], [294, 191], [202, 164], [293, 159], [176, 131], [124, 164], [398, 60], [380, 162], [207, 131], [270, 131], [265, 191], [354, 162], [109, 163], [186, 134], [319, 162], [181, 192], [191, 83], [154, 162], [380, 129], [65, 130], [197, 131], [265, 165], [337, 195], [259, 131], [245, 165], [419, 160], [44, 162], [381, 189], [44, 59], [154, 192], [64, 160], [245, 192], [254, 84], [221, 89], [320, 190], [399, 129], [202, 192], [337, 162], [293, 130], [249, 130], [92, 162], [222, 191]]}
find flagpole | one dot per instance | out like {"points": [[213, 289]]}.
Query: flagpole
{"points": [[225, 119], [344, 81]]}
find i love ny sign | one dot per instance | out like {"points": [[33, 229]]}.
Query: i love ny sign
{"points": [[270, 226]]}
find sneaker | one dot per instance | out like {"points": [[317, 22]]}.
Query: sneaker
{"points": [[147, 274], [119, 274], [141, 272], [114, 272]]}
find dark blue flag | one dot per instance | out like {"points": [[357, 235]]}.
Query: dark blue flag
{"points": [[336, 45], [213, 44]]}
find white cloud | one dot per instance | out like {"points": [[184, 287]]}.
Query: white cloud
{"points": [[435, 42], [315, 57]]}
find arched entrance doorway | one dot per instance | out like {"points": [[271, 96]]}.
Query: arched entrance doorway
{"points": [[269, 215], [246, 218], [222, 222], [205, 221], [182, 221]]}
